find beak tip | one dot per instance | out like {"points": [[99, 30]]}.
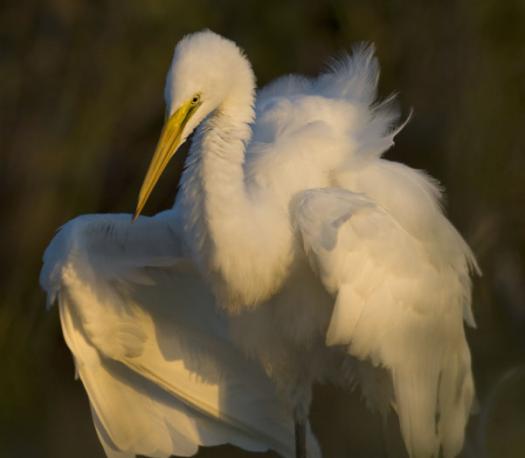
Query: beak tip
{"points": [[138, 209]]}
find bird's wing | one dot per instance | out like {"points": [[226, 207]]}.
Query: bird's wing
{"points": [[395, 306], [152, 351]]}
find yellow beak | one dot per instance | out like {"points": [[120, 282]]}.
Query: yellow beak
{"points": [[169, 142]]}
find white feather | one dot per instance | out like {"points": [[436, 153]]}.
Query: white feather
{"points": [[382, 274], [154, 355]]}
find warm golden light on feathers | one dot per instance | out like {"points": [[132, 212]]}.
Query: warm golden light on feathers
{"points": [[294, 254]]}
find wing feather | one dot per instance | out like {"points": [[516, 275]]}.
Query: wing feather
{"points": [[152, 351], [396, 307]]}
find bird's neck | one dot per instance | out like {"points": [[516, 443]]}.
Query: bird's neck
{"points": [[221, 145], [226, 226]]}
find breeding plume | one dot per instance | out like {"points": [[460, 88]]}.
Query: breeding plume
{"points": [[294, 254]]}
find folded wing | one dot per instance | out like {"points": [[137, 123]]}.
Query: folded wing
{"points": [[152, 351], [396, 306]]}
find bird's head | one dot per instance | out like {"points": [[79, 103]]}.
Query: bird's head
{"points": [[206, 73]]}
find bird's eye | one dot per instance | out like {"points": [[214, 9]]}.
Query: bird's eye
{"points": [[195, 100]]}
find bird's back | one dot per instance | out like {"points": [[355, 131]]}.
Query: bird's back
{"points": [[306, 129], [331, 131]]}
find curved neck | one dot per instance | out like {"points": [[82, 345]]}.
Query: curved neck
{"points": [[213, 180], [221, 144], [225, 226]]}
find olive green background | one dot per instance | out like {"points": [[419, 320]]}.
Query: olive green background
{"points": [[81, 107]]}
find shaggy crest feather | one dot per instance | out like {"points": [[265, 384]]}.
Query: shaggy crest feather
{"points": [[352, 76]]}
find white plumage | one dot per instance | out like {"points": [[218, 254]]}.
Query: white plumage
{"points": [[294, 254]]}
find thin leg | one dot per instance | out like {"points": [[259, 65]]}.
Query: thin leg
{"points": [[384, 436], [301, 399], [300, 439]]}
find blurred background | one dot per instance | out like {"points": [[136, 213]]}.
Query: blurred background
{"points": [[81, 107]]}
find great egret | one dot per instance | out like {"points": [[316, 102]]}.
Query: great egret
{"points": [[294, 254]]}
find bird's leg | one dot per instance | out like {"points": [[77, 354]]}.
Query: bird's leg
{"points": [[384, 436], [302, 398], [300, 421], [300, 438]]}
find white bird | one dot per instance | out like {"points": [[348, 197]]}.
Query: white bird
{"points": [[294, 254]]}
